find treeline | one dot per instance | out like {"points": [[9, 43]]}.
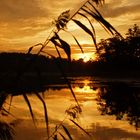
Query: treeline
{"points": [[121, 51], [120, 55], [116, 55], [16, 62], [39, 64]]}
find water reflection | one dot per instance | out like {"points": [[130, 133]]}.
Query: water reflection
{"points": [[119, 99], [85, 89], [122, 100], [84, 86], [6, 131]]}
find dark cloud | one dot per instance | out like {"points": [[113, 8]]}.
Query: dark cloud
{"points": [[109, 11], [21, 19], [28, 17], [11, 10]]}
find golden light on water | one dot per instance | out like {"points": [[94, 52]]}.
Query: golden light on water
{"points": [[85, 89], [86, 82], [57, 102]]}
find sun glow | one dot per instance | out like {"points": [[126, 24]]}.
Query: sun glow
{"points": [[86, 56]]}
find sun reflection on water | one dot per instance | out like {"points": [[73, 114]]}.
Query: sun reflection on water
{"points": [[86, 88], [57, 102]]}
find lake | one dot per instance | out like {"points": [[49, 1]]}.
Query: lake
{"points": [[110, 110]]}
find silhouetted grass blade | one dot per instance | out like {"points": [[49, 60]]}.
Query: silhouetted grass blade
{"points": [[43, 46], [98, 1], [67, 132], [102, 21], [62, 23], [3, 97], [86, 30], [94, 15], [80, 127], [64, 45], [88, 21], [94, 34], [30, 49], [73, 111], [62, 136], [39, 44], [45, 112], [83, 27], [55, 42], [6, 113], [10, 102], [29, 105], [65, 77], [66, 48], [55, 137], [76, 41], [78, 44]]}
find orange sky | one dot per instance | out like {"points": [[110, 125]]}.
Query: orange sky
{"points": [[24, 23]]}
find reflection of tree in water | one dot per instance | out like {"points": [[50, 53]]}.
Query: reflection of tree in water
{"points": [[121, 100]]}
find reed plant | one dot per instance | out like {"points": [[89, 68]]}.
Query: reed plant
{"points": [[88, 11]]}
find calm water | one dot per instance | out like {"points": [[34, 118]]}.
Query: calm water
{"points": [[93, 94]]}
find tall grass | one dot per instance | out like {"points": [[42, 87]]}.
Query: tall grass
{"points": [[89, 12]]}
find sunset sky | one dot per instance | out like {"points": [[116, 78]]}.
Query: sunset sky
{"points": [[24, 23]]}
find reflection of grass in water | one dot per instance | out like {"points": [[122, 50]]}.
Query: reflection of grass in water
{"points": [[86, 9], [6, 131], [61, 130], [75, 110]]}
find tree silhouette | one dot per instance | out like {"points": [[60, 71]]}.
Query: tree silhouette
{"points": [[120, 50], [121, 100]]}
